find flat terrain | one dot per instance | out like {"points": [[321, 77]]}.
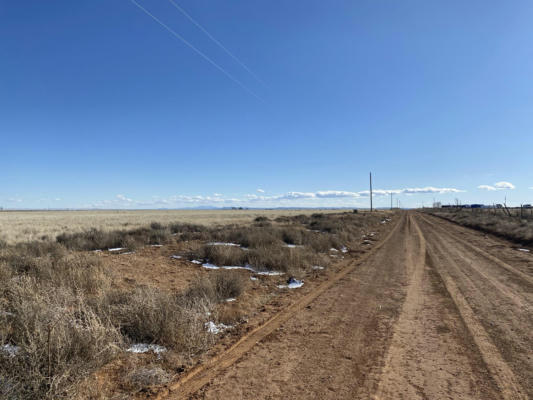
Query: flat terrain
{"points": [[434, 311], [23, 226]]}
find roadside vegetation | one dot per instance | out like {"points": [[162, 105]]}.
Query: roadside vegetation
{"points": [[515, 226], [61, 316]]}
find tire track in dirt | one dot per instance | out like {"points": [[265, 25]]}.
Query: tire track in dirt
{"points": [[453, 276], [479, 251], [199, 376], [453, 248], [429, 357]]}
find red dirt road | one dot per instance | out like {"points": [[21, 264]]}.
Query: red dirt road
{"points": [[436, 312]]}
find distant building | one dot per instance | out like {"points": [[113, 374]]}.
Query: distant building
{"points": [[525, 206]]}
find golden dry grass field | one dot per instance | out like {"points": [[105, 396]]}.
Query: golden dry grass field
{"points": [[22, 226]]}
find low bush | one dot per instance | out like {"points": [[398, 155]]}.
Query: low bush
{"points": [[511, 228], [149, 315]]}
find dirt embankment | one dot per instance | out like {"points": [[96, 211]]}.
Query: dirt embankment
{"points": [[437, 311]]}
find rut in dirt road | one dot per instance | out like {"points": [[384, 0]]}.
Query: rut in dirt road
{"points": [[494, 299], [421, 318]]}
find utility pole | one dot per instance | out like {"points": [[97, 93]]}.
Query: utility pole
{"points": [[391, 200], [371, 191]]}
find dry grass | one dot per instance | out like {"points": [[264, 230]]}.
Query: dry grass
{"points": [[24, 226], [289, 244], [62, 313], [59, 306], [511, 228]]}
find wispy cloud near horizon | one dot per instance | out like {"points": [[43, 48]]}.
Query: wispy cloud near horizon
{"points": [[497, 186], [326, 198]]}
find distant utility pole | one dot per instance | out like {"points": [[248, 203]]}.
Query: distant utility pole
{"points": [[371, 191], [391, 200]]}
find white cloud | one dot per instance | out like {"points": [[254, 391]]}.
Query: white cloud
{"points": [[329, 194], [504, 185], [333, 198], [486, 187], [121, 197], [497, 186], [424, 190], [260, 190]]}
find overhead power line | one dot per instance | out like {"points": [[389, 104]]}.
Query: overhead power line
{"points": [[181, 10], [200, 53]]}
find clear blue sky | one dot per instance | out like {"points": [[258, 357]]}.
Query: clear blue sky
{"points": [[102, 106]]}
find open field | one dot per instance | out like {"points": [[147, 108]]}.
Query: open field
{"points": [[398, 305], [22, 226], [71, 308]]}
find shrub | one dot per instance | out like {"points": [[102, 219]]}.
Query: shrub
{"points": [[60, 339], [149, 315], [227, 284], [222, 255]]}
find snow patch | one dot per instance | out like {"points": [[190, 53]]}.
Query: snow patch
{"points": [[292, 284], [196, 262], [344, 249], [524, 250], [214, 328], [175, 257], [156, 245], [128, 252], [246, 267], [292, 246], [116, 249], [10, 349], [269, 273], [223, 244], [333, 249], [253, 278], [231, 299], [6, 314], [317, 267], [144, 348]]}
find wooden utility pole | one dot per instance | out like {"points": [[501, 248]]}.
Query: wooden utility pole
{"points": [[371, 191], [391, 200]]}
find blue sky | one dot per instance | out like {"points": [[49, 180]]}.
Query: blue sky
{"points": [[101, 106]]}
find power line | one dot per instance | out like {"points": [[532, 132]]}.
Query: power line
{"points": [[178, 36], [181, 10]]}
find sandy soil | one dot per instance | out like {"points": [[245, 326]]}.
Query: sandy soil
{"points": [[434, 311]]}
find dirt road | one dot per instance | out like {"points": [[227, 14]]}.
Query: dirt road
{"points": [[436, 312]]}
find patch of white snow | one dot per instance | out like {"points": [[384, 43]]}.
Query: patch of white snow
{"points": [[144, 348], [10, 349], [214, 328]]}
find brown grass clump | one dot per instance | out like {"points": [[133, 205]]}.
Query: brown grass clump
{"points": [[222, 255], [291, 244], [145, 377], [148, 315], [216, 287], [58, 336], [511, 228], [61, 314]]}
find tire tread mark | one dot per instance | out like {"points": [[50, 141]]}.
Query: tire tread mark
{"points": [[502, 374], [199, 376]]}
